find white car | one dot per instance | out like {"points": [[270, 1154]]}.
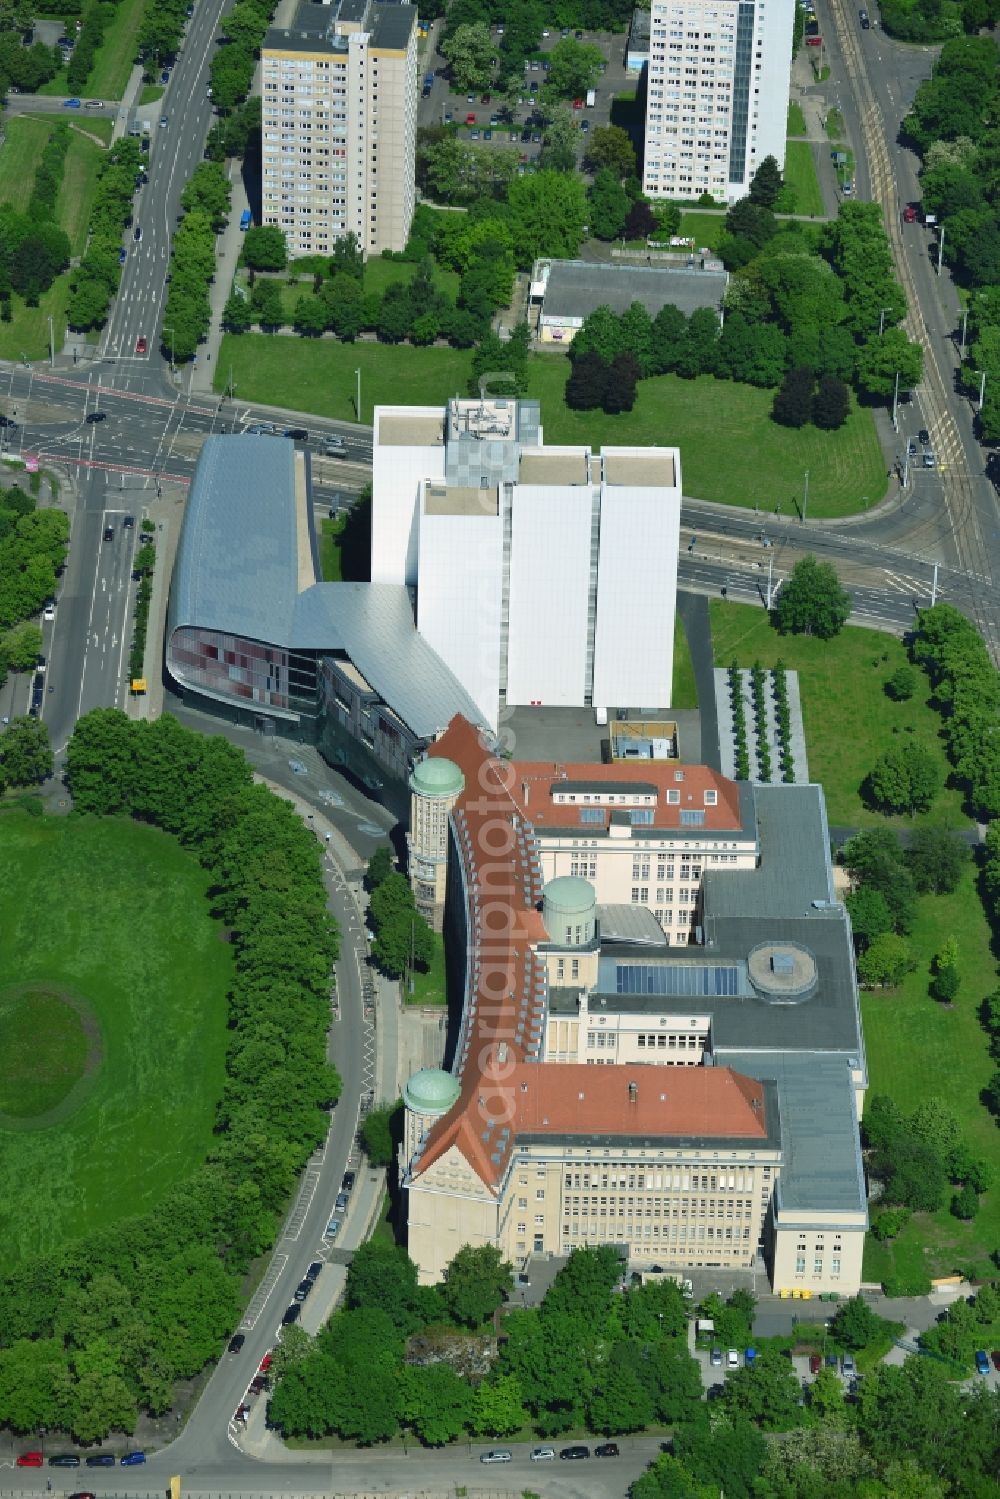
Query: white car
{"points": [[543, 1454], [49, 613], [498, 1455], [732, 1359]]}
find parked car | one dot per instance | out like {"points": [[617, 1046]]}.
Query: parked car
{"points": [[496, 1455], [848, 1366], [133, 1459], [297, 434], [122, 255], [292, 1314], [265, 1363], [30, 1460], [815, 1363], [995, 1356], [543, 1454], [347, 1185], [64, 1460], [236, 1342], [340, 1206], [732, 1359], [163, 121], [572, 1454], [332, 1229], [910, 214], [311, 1274], [49, 613], [100, 1460], [607, 1449], [302, 1289], [982, 1362]]}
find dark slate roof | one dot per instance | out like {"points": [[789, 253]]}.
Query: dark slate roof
{"points": [[576, 287], [236, 573]]}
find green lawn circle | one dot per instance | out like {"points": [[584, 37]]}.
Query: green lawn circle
{"points": [[50, 1053], [107, 924]]}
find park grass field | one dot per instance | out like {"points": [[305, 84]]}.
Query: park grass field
{"points": [[430, 988], [918, 1049], [849, 722], [28, 331], [78, 189], [796, 119], [800, 175], [684, 693], [704, 228], [116, 54], [20, 154], [115, 913], [318, 374], [731, 451]]}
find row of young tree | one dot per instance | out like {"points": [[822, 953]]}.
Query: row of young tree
{"points": [[953, 125], [32, 552], [95, 280], [205, 202], [232, 67], [102, 1328]]}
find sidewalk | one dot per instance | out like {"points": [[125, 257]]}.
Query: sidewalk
{"points": [[128, 102], [168, 519]]}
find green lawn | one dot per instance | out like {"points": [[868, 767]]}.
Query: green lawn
{"points": [[20, 154], [116, 914], [848, 719], [430, 988], [731, 451], [918, 1049], [329, 549], [800, 174], [703, 228], [796, 119], [318, 375], [381, 273], [102, 129], [78, 188], [684, 693], [150, 93], [43, 1051], [116, 54], [28, 333]]}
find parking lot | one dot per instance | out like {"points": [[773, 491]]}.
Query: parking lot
{"points": [[503, 120]]}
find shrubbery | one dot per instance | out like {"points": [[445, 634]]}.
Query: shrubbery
{"points": [[96, 278]]}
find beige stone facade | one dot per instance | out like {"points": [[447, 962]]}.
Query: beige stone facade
{"points": [[339, 126]]}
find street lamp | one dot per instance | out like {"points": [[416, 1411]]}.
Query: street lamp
{"points": [[881, 319], [357, 404], [982, 389], [895, 402]]}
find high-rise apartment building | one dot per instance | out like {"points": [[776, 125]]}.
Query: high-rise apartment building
{"points": [[339, 120], [717, 95]]}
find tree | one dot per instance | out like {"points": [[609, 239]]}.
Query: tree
{"points": [[766, 184], [609, 206], [641, 221], [912, 1173], [469, 49], [965, 1202], [869, 913], [830, 404], [881, 360], [26, 757], [752, 353], [610, 146], [343, 298], [751, 222], [874, 858], [936, 858], [936, 1123], [635, 330], [793, 403], [20, 646], [266, 305], [264, 248], [885, 962], [574, 67], [698, 353], [383, 1278], [812, 601], [669, 335], [902, 684], [855, 1324], [768, 1394], [475, 1283], [587, 383], [547, 215], [619, 1403], [237, 316], [498, 1408], [436, 1402], [310, 317], [946, 978], [380, 866], [208, 191], [905, 779], [378, 1135], [623, 377], [559, 143]]}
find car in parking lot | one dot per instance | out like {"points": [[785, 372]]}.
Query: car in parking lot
{"points": [[165, 75], [236, 1342], [815, 1363], [311, 1274], [572, 1454], [132, 1459], [292, 1315], [732, 1359], [543, 1454], [474, 135], [715, 1358], [607, 1449], [64, 1460], [848, 1366], [487, 134], [995, 1356], [302, 1289], [584, 126], [340, 1206], [30, 1460], [347, 1184], [100, 1460], [470, 118], [81, 1494], [982, 1362]]}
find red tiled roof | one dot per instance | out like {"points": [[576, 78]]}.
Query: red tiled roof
{"points": [[505, 1015], [539, 781]]}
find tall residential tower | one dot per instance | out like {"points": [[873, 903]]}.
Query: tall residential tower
{"points": [[717, 95], [339, 125]]}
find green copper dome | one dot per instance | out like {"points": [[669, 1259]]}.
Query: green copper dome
{"points": [[569, 895], [436, 776], [431, 1091]]}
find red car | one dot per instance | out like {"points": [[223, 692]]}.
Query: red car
{"points": [[815, 1363], [577, 103], [31, 1460], [910, 214], [265, 1364], [470, 119], [995, 1356], [141, 345]]}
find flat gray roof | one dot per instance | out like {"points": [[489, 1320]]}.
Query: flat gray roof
{"points": [[237, 572], [576, 288]]}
